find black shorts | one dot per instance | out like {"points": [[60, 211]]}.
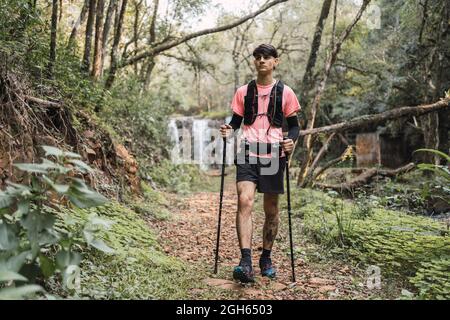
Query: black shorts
{"points": [[266, 173]]}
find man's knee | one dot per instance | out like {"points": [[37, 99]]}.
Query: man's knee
{"points": [[246, 200]]}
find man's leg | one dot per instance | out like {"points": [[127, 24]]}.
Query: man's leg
{"points": [[246, 196], [270, 232], [272, 220]]}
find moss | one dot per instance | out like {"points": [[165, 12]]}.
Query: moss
{"points": [[153, 204], [138, 269], [404, 246]]}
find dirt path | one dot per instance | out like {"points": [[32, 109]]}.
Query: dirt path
{"points": [[191, 236]]}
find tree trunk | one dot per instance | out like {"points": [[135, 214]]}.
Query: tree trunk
{"points": [[319, 91], [307, 82], [319, 156], [148, 74], [81, 20], [434, 76], [444, 121], [96, 67], [86, 65], [60, 10], [54, 29], [235, 56], [379, 118], [115, 47], [137, 9], [365, 177], [106, 28], [153, 23]]}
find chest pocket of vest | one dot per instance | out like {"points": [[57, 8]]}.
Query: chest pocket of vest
{"points": [[277, 114]]}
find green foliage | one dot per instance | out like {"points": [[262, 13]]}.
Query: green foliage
{"points": [[139, 269], [440, 170], [147, 118], [153, 204], [32, 246], [441, 184], [179, 178], [399, 244], [19, 25], [432, 279]]}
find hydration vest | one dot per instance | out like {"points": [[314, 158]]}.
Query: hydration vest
{"points": [[274, 111]]}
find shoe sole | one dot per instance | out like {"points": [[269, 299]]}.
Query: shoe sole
{"points": [[238, 274]]}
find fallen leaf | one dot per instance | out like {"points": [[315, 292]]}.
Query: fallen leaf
{"points": [[319, 281]]}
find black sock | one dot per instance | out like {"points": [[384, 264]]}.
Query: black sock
{"points": [[246, 257], [265, 256]]}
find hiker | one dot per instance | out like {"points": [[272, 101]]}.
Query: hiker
{"points": [[260, 161]]}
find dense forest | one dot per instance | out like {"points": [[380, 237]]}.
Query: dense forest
{"points": [[93, 205]]}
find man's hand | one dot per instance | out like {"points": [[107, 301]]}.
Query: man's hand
{"points": [[287, 145], [226, 130]]}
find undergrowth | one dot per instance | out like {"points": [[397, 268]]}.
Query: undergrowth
{"points": [[404, 246], [139, 269]]}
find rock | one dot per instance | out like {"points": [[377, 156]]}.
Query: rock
{"points": [[89, 134], [277, 286], [326, 289], [223, 284], [89, 151]]}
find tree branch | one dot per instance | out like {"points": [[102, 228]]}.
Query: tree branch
{"points": [[173, 43], [380, 117], [366, 177]]}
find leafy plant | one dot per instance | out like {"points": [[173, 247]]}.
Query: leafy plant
{"points": [[440, 170], [442, 173], [32, 247]]}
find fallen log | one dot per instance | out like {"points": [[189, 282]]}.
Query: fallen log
{"points": [[380, 117], [365, 177]]}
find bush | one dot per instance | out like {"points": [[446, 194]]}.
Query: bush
{"points": [[179, 178], [33, 246], [440, 187]]}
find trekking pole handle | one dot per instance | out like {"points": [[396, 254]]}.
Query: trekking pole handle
{"points": [[284, 139]]}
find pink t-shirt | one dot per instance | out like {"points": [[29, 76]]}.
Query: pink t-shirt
{"points": [[257, 132]]}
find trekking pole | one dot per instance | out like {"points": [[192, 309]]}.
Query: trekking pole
{"points": [[220, 205], [289, 216]]}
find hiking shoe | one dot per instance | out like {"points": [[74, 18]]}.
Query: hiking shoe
{"points": [[244, 274], [267, 270]]}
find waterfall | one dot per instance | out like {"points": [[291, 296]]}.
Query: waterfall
{"points": [[198, 141], [175, 139], [202, 137]]}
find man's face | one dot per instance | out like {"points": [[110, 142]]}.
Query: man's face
{"points": [[264, 63]]}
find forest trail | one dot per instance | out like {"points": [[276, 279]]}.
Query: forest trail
{"points": [[191, 237]]}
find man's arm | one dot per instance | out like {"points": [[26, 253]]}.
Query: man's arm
{"points": [[293, 128], [293, 131], [234, 124], [236, 121]]}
